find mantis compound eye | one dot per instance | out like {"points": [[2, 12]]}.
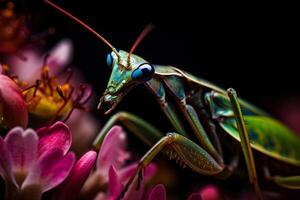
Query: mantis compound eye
{"points": [[109, 60], [144, 72]]}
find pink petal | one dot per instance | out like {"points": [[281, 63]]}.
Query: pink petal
{"points": [[135, 193], [60, 56], [210, 192], [100, 196], [5, 163], [51, 169], [22, 146], [157, 193], [1, 68], [116, 184], [115, 187], [83, 94], [80, 172], [56, 136], [112, 151], [125, 173], [150, 171], [12, 104], [84, 128], [27, 70]]}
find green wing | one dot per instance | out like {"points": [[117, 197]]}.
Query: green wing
{"points": [[269, 137]]}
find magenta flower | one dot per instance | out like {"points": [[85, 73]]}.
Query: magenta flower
{"points": [[33, 163], [112, 170], [71, 187], [13, 111]]}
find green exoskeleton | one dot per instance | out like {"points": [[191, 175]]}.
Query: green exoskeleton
{"points": [[211, 113]]}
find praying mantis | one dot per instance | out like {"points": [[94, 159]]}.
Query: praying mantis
{"points": [[210, 111]]}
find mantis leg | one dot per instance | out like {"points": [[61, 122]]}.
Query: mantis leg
{"points": [[157, 88], [142, 129], [245, 142], [290, 182], [184, 150], [176, 87]]}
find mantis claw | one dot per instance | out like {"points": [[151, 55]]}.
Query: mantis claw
{"points": [[106, 106]]}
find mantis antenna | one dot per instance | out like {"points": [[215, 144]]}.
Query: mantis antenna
{"points": [[143, 34], [84, 25]]}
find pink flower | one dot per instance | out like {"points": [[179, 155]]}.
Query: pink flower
{"points": [[13, 111], [35, 162], [112, 170], [70, 188], [49, 95]]}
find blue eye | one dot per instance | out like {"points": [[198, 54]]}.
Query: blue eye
{"points": [[109, 60], [144, 72]]}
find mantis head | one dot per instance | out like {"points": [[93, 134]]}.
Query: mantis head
{"points": [[128, 70]]}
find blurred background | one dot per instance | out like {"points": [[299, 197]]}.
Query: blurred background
{"points": [[252, 48]]}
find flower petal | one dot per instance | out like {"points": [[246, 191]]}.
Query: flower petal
{"points": [[29, 69], [150, 171], [100, 196], [210, 192], [112, 151], [12, 105], [73, 184], [134, 192], [125, 173], [56, 136], [51, 169], [60, 56], [83, 94], [5, 163], [158, 192], [115, 186], [84, 128], [22, 146]]}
